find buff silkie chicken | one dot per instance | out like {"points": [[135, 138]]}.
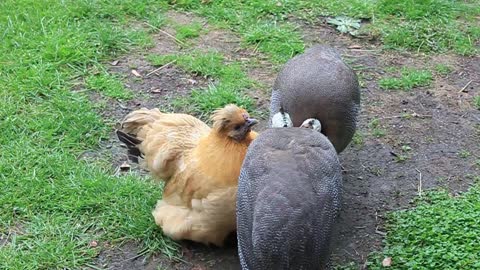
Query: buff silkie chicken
{"points": [[199, 164]]}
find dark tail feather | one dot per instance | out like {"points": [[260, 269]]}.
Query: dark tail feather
{"points": [[131, 143]]}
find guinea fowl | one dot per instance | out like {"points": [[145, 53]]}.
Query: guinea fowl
{"points": [[288, 198], [318, 84]]}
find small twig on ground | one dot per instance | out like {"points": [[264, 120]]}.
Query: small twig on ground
{"points": [[93, 266], [419, 188], [168, 34], [136, 257], [256, 47], [160, 68], [140, 254], [365, 50], [380, 232], [403, 115], [231, 41], [366, 53], [465, 87], [122, 106], [165, 33]]}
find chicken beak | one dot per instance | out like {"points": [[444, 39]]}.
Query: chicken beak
{"points": [[251, 122]]}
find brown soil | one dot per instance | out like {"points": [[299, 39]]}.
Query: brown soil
{"points": [[12, 232], [375, 182]]}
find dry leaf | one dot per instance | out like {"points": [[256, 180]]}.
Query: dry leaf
{"points": [[114, 63], [192, 81], [387, 262], [125, 166], [134, 72], [93, 243]]}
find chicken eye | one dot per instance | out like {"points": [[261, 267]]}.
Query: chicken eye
{"points": [[237, 127]]}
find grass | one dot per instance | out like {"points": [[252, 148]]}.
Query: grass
{"points": [[443, 69], [53, 203], [261, 24], [376, 130], [358, 139], [464, 154], [476, 102], [230, 84], [428, 25], [280, 42], [409, 78], [188, 31], [404, 155], [204, 101], [433, 235], [108, 85]]}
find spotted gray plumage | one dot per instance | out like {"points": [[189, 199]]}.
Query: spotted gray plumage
{"points": [[318, 84], [288, 200]]}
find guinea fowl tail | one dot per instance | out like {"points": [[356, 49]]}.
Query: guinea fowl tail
{"points": [[132, 145]]}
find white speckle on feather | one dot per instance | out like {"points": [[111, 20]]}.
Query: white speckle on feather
{"points": [[280, 120]]}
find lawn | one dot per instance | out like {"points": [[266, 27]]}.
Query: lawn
{"points": [[413, 168]]}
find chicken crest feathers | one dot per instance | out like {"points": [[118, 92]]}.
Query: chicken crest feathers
{"points": [[229, 114]]}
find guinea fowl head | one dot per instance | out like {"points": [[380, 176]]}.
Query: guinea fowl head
{"points": [[282, 119], [233, 122], [312, 123]]}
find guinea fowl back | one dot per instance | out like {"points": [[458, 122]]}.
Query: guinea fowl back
{"points": [[288, 200], [318, 84]]}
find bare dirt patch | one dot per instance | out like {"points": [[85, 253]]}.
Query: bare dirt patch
{"points": [[10, 233], [230, 45], [126, 257], [194, 256], [442, 133], [443, 138]]}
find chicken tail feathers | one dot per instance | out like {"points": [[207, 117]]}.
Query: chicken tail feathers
{"points": [[132, 145], [137, 121]]}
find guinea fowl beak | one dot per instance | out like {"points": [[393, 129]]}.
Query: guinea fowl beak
{"points": [[251, 122]]}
